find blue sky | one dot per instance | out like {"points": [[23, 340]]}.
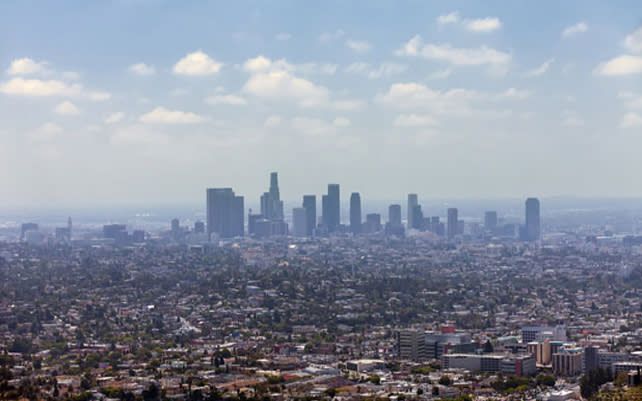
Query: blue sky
{"points": [[155, 100]]}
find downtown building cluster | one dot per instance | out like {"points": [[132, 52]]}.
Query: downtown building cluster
{"points": [[226, 217]]}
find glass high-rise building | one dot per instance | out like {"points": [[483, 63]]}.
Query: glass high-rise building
{"points": [[225, 215], [453, 222], [490, 220], [532, 228], [394, 215], [412, 202], [333, 208], [310, 205], [355, 213]]}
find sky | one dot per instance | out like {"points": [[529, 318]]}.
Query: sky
{"points": [[109, 102]]}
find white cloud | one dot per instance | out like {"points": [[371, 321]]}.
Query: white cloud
{"points": [[70, 75], [311, 126], [541, 70], [161, 115], [272, 121], [466, 56], [511, 93], [572, 30], [456, 101], [358, 46], [442, 74], [414, 120], [234, 100], [138, 135], [483, 25], [46, 132], [283, 85], [621, 65], [142, 69], [411, 48], [497, 60], [348, 104], [314, 68], [630, 120], [98, 96], [197, 64], [384, 69], [572, 119], [27, 66], [633, 42], [633, 101], [257, 64], [262, 63], [66, 108], [115, 117], [283, 36], [327, 37], [37, 87], [341, 122], [448, 18]]}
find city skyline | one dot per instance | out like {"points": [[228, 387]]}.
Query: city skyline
{"points": [[454, 100]]}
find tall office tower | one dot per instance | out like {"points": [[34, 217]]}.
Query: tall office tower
{"points": [[334, 208], [453, 225], [412, 202], [373, 223], [310, 205], [417, 218], [225, 215], [199, 227], [276, 204], [355, 213], [394, 215], [264, 203], [25, 227], [271, 203], [532, 219], [490, 220], [434, 224], [175, 225], [299, 222], [69, 226], [252, 218], [325, 212]]}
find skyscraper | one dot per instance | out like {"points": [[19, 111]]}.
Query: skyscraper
{"points": [[412, 202], [453, 225], [373, 223], [532, 219], [394, 215], [310, 205], [299, 222], [325, 212], [490, 220], [355, 213], [199, 227], [271, 203], [334, 208], [417, 218], [225, 215]]}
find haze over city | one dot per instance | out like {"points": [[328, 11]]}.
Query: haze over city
{"points": [[152, 101], [320, 201]]}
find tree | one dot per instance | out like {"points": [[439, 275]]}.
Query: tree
{"points": [[546, 380], [445, 380]]}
